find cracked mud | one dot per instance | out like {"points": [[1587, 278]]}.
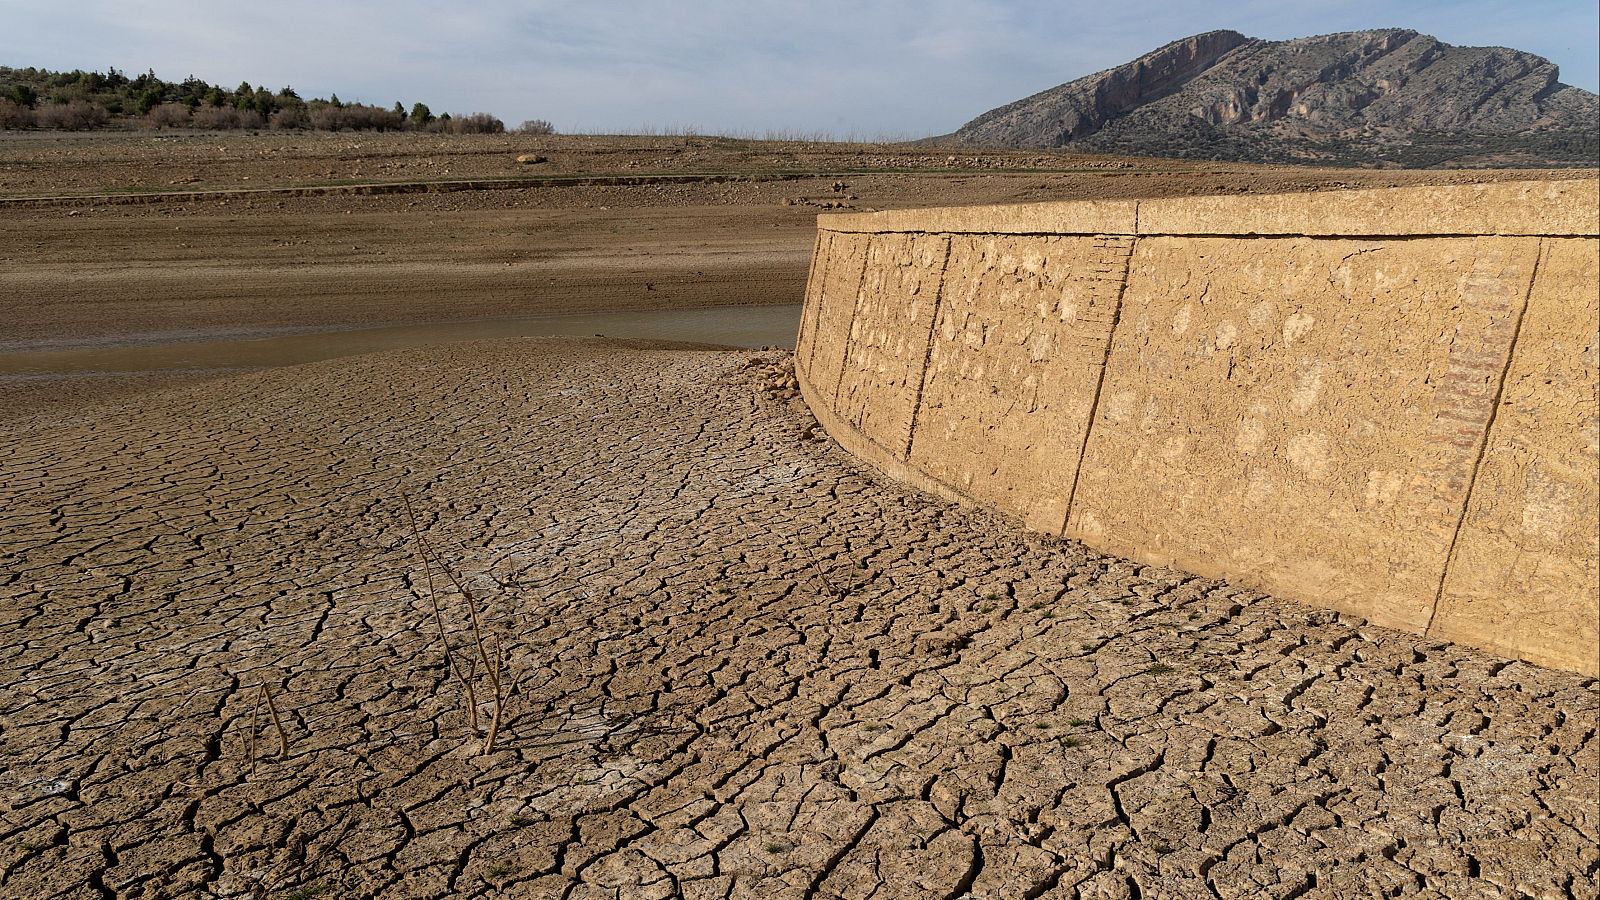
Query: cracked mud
{"points": [[738, 666]]}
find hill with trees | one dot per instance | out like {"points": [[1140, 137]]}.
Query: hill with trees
{"points": [[80, 101]]}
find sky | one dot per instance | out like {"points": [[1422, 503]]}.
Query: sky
{"points": [[842, 68]]}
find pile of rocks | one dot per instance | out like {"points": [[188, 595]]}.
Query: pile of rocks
{"points": [[772, 373]]}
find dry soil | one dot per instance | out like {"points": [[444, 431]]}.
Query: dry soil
{"points": [[734, 663]]}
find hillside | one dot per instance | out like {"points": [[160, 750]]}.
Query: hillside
{"points": [[84, 101], [1384, 97]]}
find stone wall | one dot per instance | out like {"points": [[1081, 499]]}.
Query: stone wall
{"points": [[1379, 401]]}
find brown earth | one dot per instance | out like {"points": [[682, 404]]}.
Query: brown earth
{"points": [[259, 263], [736, 666]]}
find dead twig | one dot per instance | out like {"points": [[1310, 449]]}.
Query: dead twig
{"points": [[263, 692], [426, 552], [283, 736], [255, 722], [492, 665], [827, 582], [499, 701]]}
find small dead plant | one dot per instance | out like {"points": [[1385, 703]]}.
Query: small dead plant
{"points": [[263, 692], [491, 661]]}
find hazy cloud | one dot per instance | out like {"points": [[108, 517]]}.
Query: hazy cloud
{"points": [[867, 67]]}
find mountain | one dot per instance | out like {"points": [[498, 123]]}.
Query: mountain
{"points": [[1384, 97]]}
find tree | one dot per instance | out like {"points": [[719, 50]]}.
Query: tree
{"points": [[399, 111], [421, 114], [264, 103], [26, 96], [149, 100]]}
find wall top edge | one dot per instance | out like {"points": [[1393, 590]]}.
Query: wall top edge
{"points": [[1566, 208]]}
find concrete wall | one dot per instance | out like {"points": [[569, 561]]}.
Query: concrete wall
{"points": [[1378, 401]]}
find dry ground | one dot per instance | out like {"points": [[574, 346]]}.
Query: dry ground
{"points": [[90, 272], [739, 667]]}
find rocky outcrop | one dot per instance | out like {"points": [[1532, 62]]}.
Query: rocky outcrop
{"points": [[1077, 109], [1391, 95]]}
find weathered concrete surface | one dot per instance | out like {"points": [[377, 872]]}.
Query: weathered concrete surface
{"points": [[1076, 217], [825, 341], [1302, 416], [1532, 208], [741, 666], [1295, 392], [882, 375], [1021, 336], [1528, 546]]}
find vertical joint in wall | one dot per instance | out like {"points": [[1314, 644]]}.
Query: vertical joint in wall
{"points": [[850, 327], [1118, 252], [927, 348], [1514, 319]]}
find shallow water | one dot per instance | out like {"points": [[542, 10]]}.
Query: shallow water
{"points": [[732, 326]]}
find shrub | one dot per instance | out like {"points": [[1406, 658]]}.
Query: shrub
{"points": [[354, 116], [476, 123], [14, 115], [372, 118], [75, 116], [536, 126], [168, 115], [327, 118], [290, 118], [216, 118]]}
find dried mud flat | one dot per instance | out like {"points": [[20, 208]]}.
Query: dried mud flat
{"points": [[740, 667], [94, 274]]}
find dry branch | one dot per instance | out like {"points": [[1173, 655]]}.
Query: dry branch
{"points": [[492, 664]]}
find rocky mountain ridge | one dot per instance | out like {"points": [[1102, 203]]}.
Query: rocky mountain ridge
{"points": [[1385, 97]]}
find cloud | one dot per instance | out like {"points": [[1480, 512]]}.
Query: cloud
{"points": [[865, 67]]}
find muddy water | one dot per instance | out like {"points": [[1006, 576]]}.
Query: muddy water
{"points": [[734, 326]]}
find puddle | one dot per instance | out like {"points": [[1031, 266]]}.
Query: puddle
{"points": [[734, 326]]}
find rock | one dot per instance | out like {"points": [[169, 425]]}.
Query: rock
{"points": [[1349, 96], [531, 159], [938, 643]]}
